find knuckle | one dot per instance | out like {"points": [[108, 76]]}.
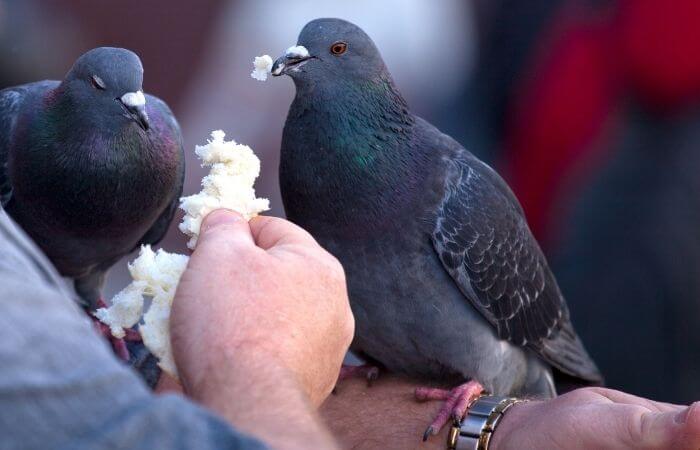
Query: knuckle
{"points": [[635, 429], [326, 266], [339, 270], [305, 234], [349, 328], [693, 415], [334, 268], [344, 319]]}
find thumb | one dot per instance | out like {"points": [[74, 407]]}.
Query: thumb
{"points": [[677, 428], [689, 420], [226, 228]]}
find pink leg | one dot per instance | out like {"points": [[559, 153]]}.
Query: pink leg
{"points": [[369, 372], [132, 335], [119, 347], [455, 406], [118, 344]]}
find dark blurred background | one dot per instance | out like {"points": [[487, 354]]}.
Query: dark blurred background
{"points": [[589, 108]]}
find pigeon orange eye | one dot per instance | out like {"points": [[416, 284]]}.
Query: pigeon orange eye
{"points": [[97, 83], [339, 48]]}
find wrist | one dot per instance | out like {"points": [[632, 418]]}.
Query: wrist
{"points": [[233, 370], [477, 429], [385, 415], [506, 435], [259, 395]]}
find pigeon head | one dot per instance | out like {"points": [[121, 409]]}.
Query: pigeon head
{"points": [[108, 80], [345, 138], [330, 51]]}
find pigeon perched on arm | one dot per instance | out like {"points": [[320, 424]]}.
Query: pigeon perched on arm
{"points": [[445, 279], [90, 167]]}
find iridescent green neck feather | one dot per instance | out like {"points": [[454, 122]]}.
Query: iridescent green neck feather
{"points": [[348, 150]]}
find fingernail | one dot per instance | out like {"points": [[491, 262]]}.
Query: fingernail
{"points": [[220, 217]]}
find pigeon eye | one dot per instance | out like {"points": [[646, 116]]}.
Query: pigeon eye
{"points": [[339, 48], [97, 83]]}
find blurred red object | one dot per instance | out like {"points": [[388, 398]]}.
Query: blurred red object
{"points": [[659, 47], [589, 62]]}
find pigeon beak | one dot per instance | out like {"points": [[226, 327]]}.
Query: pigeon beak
{"points": [[291, 61], [135, 104]]}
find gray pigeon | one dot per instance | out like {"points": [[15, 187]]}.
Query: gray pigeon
{"points": [[90, 167], [446, 282]]}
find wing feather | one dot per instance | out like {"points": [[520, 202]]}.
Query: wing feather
{"points": [[485, 244]]}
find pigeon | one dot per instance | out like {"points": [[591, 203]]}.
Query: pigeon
{"points": [[90, 167], [446, 282]]}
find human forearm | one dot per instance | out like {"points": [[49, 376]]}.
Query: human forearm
{"points": [[385, 415], [260, 397]]}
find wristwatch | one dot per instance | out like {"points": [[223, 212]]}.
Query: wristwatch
{"points": [[475, 430]]}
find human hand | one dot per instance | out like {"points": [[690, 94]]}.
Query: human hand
{"points": [[263, 290], [260, 323], [598, 418]]}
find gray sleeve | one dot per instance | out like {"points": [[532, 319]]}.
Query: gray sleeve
{"points": [[60, 385]]}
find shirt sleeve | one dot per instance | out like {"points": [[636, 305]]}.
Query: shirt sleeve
{"points": [[61, 386]]}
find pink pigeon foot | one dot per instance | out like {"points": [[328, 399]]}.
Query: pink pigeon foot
{"points": [[366, 371], [369, 372], [118, 344], [455, 406]]}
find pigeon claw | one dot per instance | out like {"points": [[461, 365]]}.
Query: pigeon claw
{"points": [[372, 374], [366, 371], [118, 344], [119, 347], [455, 405], [131, 335], [428, 432]]}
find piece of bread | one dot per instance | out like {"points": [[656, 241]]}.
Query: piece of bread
{"points": [[262, 66], [229, 184]]}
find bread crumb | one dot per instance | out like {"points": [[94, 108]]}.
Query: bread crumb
{"points": [[262, 66]]}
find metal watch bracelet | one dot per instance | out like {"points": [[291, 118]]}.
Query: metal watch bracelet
{"points": [[475, 430]]}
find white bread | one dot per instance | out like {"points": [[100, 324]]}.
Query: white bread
{"points": [[229, 184]]}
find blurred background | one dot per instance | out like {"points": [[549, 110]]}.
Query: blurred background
{"points": [[589, 108]]}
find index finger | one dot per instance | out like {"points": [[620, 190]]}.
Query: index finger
{"points": [[271, 232], [628, 399]]}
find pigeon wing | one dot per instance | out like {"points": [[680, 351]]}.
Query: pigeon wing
{"points": [[12, 102], [485, 244]]}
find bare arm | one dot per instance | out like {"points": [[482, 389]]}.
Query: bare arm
{"points": [[386, 415]]}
